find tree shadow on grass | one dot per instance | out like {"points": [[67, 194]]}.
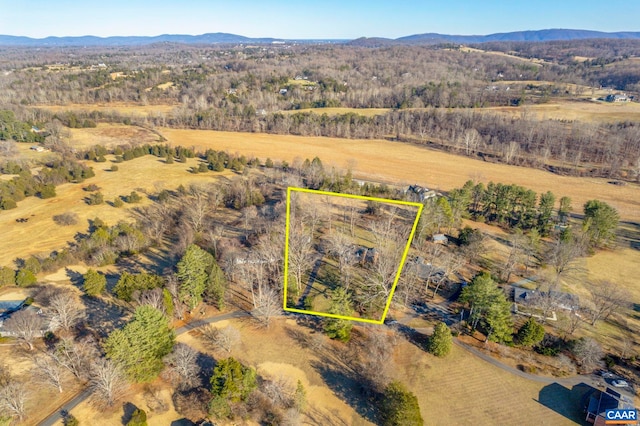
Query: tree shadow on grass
{"points": [[128, 410], [418, 339], [349, 388], [206, 363], [104, 316]]}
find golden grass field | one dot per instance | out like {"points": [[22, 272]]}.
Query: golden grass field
{"points": [[110, 135], [499, 397], [458, 389], [367, 112], [118, 107], [587, 111], [40, 235], [405, 163]]}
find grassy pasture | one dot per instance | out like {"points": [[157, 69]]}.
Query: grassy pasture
{"points": [[110, 135], [403, 163], [588, 111], [367, 112], [130, 109], [41, 235]]}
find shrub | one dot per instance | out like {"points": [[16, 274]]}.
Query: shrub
{"points": [[400, 407], [114, 168], [8, 204], [95, 199], [66, 219], [138, 418], [134, 197], [25, 278], [118, 202], [47, 191], [91, 188], [7, 276]]}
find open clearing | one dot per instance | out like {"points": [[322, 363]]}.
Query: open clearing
{"points": [[118, 107], [111, 135], [367, 112], [491, 395], [588, 111], [41, 235], [381, 160]]}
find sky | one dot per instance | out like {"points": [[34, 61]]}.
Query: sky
{"points": [[310, 19]]}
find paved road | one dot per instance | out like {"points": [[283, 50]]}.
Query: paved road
{"points": [[79, 398]]}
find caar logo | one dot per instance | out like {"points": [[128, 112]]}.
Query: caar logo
{"points": [[621, 416]]}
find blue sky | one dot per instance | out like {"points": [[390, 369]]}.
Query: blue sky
{"points": [[310, 18]]}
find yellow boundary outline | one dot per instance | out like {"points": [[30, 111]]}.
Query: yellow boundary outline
{"points": [[357, 197]]}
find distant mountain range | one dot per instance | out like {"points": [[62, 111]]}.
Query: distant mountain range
{"points": [[225, 38]]}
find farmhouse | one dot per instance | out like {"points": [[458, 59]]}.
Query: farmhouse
{"points": [[419, 193], [602, 401], [621, 97]]}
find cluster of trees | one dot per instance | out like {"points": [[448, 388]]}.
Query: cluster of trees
{"points": [[20, 131], [43, 184]]}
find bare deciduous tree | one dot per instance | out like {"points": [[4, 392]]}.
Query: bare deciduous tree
{"points": [[266, 303], [563, 258], [153, 298], [13, 399], [279, 390], [50, 372], [299, 253], [607, 298], [183, 361], [108, 383], [65, 310], [588, 354], [173, 286], [196, 208], [26, 325], [221, 338], [77, 357]]}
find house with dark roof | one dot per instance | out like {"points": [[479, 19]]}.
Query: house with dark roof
{"points": [[419, 193], [608, 399], [560, 300]]}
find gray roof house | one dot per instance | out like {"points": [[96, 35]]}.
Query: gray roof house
{"points": [[567, 301]]}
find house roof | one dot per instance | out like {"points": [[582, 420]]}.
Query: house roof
{"points": [[609, 399], [560, 299]]}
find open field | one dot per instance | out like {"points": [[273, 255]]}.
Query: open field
{"points": [[41, 235], [118, 107], [110, 135], [404, 163], [491, 396], [367, 112], [588, 111]]}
